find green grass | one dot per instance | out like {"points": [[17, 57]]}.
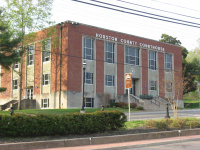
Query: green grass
{"points": [[61, 111], [134, 124]]}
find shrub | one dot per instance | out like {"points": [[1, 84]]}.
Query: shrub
{"points": [[45, 125], [139, 108], [125, 107], [151, 123], [193, 124], [168, 121], [133, 105], [162, 124], [121, 104], [179, 123]]}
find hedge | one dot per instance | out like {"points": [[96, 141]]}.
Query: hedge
{"points": [[20, 125]]}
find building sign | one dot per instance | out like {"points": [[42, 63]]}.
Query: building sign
{"points": [[129, 42], [128, 80]]}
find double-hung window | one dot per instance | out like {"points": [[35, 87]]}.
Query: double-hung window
{"points": [[89, 102], [168, 62], [132, 55], [152, 85], [88, 78], [16, 66], [109, 52], [152, 60], [30, 55], [88, 48], [110, 80], [45, 103], [45, 79], [46, 51], [15, 84]]}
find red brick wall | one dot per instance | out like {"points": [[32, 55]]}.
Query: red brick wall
{"points": [[161, 70], [144, 71], [120, 69], [100, 66]]}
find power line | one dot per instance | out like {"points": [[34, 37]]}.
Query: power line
{"points": [[136, 14], [145, 12], [158, 9]]}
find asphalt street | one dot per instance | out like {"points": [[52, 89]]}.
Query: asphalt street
{"points": [[144, 115]]}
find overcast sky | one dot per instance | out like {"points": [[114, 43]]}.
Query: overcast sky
{"points": [[64, 10]]}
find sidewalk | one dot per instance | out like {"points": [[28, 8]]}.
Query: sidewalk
{"points": [[134, 144]]}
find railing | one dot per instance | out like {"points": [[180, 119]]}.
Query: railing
{"points": [[155, 101], [166, 101], [152, 99]]}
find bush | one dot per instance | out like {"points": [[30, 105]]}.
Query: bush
{"points": [[139, 108], [163, 125], [168, 121], [151, 123], [121, 104], [193, 124], [179, 123], [45, 125], [125, 107], [133, 105]]}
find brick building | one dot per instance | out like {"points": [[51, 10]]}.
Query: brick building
{"points": [[57, 58]]}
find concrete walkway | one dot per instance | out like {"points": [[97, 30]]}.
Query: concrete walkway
{"points": [[134, 144]]}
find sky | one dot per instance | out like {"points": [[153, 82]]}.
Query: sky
{"points": [[64, 10]]}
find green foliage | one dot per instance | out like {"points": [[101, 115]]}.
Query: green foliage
{"points": [[179, 123], [169, 39], [151, 123], [146, 96], [168, 121], [139, 108], [46, 125], [122, 104], [2, 89], [162, 125], [133, 105], [193, 124]]}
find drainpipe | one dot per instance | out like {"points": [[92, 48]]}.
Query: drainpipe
{"points": [[61, 25]]}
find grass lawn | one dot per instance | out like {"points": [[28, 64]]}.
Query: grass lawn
{"points": [[191, 104], [61, 111]]}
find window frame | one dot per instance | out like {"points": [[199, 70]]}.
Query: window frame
{"points": [[46, 50], [15, 84], [152, 66], [86, 49], [168, 87], [91, 102], [152, 85], [44, 80], [112, 53], [168, 62], [135, 55], [112, 81], [88, 80], [30, 56], [46, 103], [14, 66]]}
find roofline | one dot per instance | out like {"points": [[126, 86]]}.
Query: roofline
{"points": [[70, 21]]}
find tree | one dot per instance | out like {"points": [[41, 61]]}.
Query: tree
{"points": [[188, 78], [8, 45], [26, 17]]}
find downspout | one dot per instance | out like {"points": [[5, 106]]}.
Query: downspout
{"points": [[60, 24]]}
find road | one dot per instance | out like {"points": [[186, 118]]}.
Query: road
{"points": [[144, 115]]}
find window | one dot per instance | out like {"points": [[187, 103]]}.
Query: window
{"points": [[109, 52], [88, 48], [45, 103], [168, 62], [89, 102], [152, 60], [16, 66], [169, 87], [15, 84], [88, 78], [132, 55], [46, 51], [110, 80], [29, 93], [30, 55], [152, 85], [45, 79]]}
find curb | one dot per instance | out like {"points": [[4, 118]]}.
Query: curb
{"points": [[99, 140]]}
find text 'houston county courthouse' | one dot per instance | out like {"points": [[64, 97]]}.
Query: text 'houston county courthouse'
{"points": [[53, 68]]}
